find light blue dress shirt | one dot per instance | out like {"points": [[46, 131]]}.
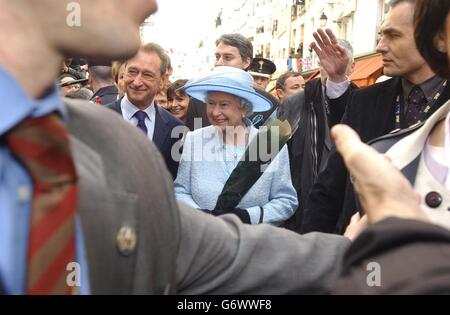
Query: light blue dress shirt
{"points": [[128, 111], [16, 189]]}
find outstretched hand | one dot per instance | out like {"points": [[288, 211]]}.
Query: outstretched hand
{"points": [[333, 57], [382, 189]]}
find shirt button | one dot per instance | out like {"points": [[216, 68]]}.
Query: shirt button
{"points": [[433, 199], [24, 194]]}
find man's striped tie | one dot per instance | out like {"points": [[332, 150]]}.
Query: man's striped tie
{"points": [[42, 145]]}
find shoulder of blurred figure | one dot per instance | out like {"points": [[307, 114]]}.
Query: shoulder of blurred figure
{"points": [[384, 143]]}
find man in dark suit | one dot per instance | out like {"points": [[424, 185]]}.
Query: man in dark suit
{"points": [[413, 94], [310, 145], [145, 75], [233, 50]]}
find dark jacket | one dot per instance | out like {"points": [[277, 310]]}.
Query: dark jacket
{"points": [[197, 109], [370, 112], [164, 124], [411, 257], [304, 169], [259, 118], [196, 117], [105, 95]]}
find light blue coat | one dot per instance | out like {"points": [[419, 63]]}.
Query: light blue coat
{"points": [[206, 165]]}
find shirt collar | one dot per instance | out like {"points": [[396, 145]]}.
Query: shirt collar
{"points": [[430, 87], [18, 105], [129, 109]]}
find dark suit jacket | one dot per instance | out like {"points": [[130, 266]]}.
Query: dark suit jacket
{"points": [[164, 124], [300, 145], [197, 109], [412, 257], [106, 95], [370, 112]]}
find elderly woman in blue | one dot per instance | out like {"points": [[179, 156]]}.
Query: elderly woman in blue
{"points": [[210, 154]]}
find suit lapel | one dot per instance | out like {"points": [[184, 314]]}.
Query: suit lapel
{"points": [[410, 170], [104, 210], [161, 129], [116, 106], [385, 104]]}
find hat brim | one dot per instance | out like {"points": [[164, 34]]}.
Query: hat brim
{"points": [[201, 90], [257, 74]]}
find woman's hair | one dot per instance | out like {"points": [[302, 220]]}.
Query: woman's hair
{"points": [[429, 20], [246, 106], [116, 65], [172, 89]]}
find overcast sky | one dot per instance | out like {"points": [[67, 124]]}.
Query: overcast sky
{"points": [[179, 23]]}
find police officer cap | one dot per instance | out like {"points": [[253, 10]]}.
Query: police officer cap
{"points": [[262, 67]]}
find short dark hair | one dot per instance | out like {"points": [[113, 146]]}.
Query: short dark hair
{"points": [[282, 79], [429, 21], [244, 46], [101, 74]]}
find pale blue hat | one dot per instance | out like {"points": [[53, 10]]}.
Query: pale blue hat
{"points": [[229, 80]]}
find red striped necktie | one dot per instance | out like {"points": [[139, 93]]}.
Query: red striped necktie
{"points": [[42, 145]]}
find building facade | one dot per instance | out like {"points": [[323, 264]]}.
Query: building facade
{"points": [[282, 30]]}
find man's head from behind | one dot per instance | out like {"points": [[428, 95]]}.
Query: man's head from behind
{"points": [[100, 75], [234, 50], [145, 75], [397, 45], [289, 83]]}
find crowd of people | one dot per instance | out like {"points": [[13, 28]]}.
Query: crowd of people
{"points": [[213, 185]]}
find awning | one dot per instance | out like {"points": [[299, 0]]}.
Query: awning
{"points": [[367, 70], [314, 75]]}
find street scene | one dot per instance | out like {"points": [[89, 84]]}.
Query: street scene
{"points": [[226, 148]]}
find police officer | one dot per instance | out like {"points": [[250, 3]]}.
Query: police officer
{"points": [[261, 70]]}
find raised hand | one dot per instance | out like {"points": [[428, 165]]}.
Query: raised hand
{"points": [[333, 57]]}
